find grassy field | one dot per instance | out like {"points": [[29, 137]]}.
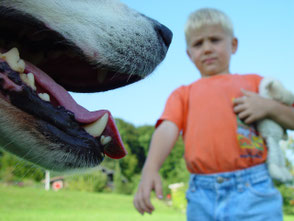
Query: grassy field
{"points": [[31, 204]]}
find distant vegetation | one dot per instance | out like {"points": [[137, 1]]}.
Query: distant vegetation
{"points": [[121, 176], [126, 172]]}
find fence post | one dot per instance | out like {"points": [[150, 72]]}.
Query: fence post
{"points": [[47, 180]]}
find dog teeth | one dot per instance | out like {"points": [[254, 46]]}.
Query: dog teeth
{"points": [[105, 140], [95, 129], [13, 59], [44, 96], [29, 80]]}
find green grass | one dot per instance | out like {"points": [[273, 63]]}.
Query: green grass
{"points": [[288, 218], [32, 204]]}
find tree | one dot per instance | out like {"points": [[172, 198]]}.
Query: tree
{"points": [[17, 169], [129, 135]]}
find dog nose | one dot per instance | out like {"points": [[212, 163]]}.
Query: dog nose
{"points": [[164, 33]]}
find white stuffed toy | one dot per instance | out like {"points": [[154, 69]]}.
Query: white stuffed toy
{"points": [[273, 132]]}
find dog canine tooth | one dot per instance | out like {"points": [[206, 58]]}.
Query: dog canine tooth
{"points": [[104, 35], [44, 96], [13, 59], [29, 80], [105, 140], [95, 129]]}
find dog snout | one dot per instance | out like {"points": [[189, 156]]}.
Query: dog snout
{"points": [[164, 33]]}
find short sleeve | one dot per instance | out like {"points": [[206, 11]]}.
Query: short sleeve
{"points": [[175, 108], [255, 79], [258, 79]]}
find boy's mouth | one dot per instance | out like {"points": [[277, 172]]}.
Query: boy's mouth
{"points": [[209, 61]]}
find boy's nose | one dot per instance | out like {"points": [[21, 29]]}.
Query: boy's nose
{"points": [[207, 47]]}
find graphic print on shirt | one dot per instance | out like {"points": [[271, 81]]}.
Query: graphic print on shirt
{"points": [[251, 144]]}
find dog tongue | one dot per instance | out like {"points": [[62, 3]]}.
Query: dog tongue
{"points": [[82, 115], [115, 149]]}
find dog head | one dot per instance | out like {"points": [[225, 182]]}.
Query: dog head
{"points": [[81, 46]]}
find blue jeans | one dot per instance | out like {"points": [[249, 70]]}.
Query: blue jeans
{"points": [[240, 195]]}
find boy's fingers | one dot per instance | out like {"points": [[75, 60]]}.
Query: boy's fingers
{"points": [[143, 207], [138, 207], [247, 93], [236, 101], [140, 203], [137, 204], [158, 189], [249, 120], [243, 115], [145, 201], [239, 108], [239, 100]]}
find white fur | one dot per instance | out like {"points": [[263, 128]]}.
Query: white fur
{"points": [[273, 132], [102, 29], [110, 35]]}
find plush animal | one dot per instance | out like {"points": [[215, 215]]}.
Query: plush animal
{"points": [[52, 46], [272, 132]]}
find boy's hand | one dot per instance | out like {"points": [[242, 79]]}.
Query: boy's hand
{"points": [[251, 107], [162, 142], [150, 181]]}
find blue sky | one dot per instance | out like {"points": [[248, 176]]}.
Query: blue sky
{"points": [[265, 29]]}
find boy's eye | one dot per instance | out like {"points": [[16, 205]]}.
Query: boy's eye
{"points": [[215, 40], [197, 44]]}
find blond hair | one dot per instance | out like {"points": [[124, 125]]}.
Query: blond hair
{"points": [[207, 16]]}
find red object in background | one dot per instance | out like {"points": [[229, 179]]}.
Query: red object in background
{"points": [[57, 185], [168, 197]]}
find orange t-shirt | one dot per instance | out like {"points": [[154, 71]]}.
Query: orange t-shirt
{"points": [[215, 139]]}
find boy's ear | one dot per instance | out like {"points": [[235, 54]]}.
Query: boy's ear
{"points": [[234, 45]]}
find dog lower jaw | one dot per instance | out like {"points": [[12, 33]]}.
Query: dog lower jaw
{"points": [[36, 144], [20, 95]]}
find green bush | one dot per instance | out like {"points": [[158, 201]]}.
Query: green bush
{"points": [[288, 198], [90, 182], [178, 196], [121, 184], [15, 169]]}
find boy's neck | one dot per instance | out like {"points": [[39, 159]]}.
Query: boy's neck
{"points": [[213, 75]]}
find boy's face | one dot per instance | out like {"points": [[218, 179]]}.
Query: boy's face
{"points": [[210, 49]]}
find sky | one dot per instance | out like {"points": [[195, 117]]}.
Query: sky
{"points": [[264, 28]]}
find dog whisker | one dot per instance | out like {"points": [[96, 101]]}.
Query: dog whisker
{"points": [[71, 46]]}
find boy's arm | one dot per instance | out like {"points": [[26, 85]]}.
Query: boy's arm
{"points": [[163, 140], [252, 107]]}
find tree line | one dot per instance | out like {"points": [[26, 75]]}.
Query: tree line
{"points": [[126, 171]]}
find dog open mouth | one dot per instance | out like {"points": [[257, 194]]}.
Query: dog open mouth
{"points": [[41, 61], [33, 91]]}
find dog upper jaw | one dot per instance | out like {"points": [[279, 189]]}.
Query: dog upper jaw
{"points": [[84, 46], [108, 35]]}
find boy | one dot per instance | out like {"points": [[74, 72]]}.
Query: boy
{"points": [[223, 152]]}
